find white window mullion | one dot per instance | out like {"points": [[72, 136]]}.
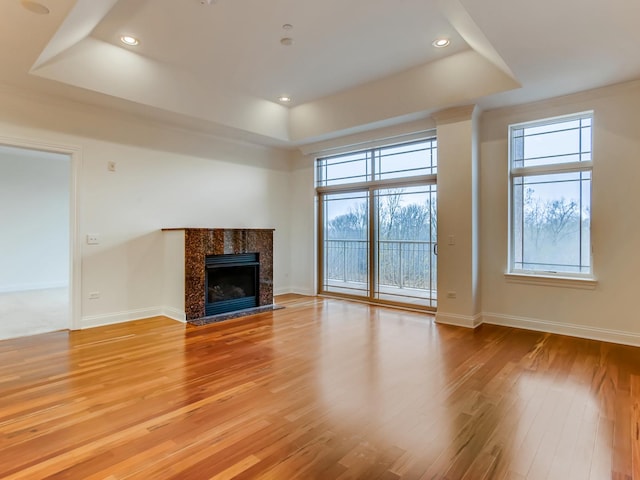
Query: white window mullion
{"points": [[544, 169]]}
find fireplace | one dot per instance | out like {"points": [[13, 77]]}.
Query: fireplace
{"points": [[231, 282], [187, 275]]}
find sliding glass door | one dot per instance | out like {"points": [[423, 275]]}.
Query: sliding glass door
{"points": [[378, 224]]}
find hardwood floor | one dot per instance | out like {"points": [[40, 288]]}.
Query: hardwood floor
{"points": [[324, 389]]}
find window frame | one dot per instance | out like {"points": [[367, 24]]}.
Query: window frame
{"points": [[543, 277], [370, 185]]}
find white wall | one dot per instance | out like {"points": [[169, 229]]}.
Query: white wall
{"points": [[610, 310], [164, 178], [34, 220]]}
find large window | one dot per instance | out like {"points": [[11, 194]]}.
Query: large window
{"points": [[550, 164], [378, 223]]}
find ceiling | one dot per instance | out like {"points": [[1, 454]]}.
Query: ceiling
{"points": [[352, 66]]}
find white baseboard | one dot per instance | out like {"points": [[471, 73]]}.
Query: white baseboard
{"points": [[24, 287], [174, 314], [302, 291], [459, 320], [281, 291], [297, 291], [569, 329], [91, 321]]}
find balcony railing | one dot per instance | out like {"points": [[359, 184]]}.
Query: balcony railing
{"points": [[402, 264]]}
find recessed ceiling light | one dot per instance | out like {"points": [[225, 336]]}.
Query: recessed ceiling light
{"points": [[284, 98], [129, 40], [35, 7], [441, 42]]}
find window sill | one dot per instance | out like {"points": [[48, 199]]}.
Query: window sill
{"points": [[552, 280]]}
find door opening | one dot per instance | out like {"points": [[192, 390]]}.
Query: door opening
{"points": [[36, 246]]}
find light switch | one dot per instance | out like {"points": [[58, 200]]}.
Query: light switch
{"points": [[452, 240]]}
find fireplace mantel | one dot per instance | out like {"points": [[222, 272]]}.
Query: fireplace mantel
{"points": [[200, 242]]}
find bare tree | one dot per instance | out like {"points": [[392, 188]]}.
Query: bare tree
{"points": [[388, 211], [561, 218], [534, 215]]}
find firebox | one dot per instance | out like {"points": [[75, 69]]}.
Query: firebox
{"points": [[231, 282]]}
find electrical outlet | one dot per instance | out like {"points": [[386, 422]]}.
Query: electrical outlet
{"points": [[92, 239], [94, 295], [452, 294]]}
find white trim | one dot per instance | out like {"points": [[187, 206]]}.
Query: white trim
{"points": [[431, 179], [281, 291], [552, 280], [75, 269], [545, 326], [570, 329], [562, 167], [555, 119], [459, 320], [307, 292], [91, 321], [24, 287], [174, 314], [296, 290], [568, 167]]}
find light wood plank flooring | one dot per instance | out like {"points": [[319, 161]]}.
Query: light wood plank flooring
{"points": [[324, 389]]}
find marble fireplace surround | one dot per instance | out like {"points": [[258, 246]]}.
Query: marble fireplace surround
{"points": [[200, 242]]}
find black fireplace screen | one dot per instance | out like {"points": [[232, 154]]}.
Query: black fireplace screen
{"points": [[231, 283]]}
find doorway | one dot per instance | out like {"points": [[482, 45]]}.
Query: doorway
{"points": [[36, 246]]}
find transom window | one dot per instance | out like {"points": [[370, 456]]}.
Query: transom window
{"points": [[550, 163], [386, 163]]}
